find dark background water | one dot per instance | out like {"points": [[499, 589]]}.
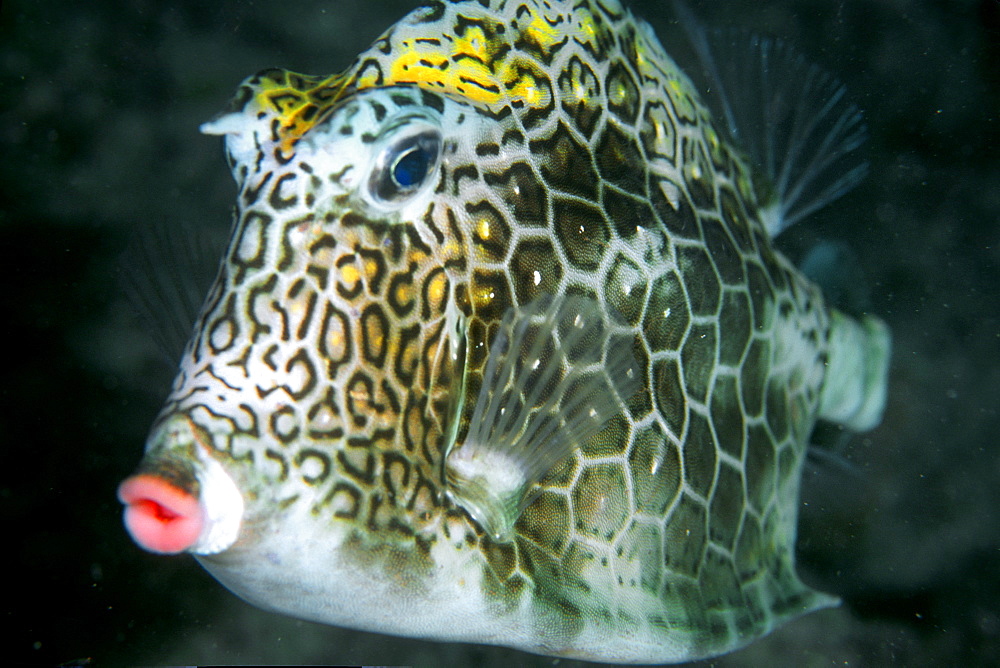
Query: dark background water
{"points": [[99, 108]]}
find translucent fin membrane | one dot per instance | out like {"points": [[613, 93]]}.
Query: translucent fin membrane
{"points": [[552, 380], [835, 267], [792, 119], [166, 272]]}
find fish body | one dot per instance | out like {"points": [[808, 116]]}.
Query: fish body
{"points": [[500, 351]]}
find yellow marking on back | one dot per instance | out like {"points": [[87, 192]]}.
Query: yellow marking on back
{"points": [[298, 101], [525, 87], [645, 59], [484, 295], [467, 77], [618, 93], [474, 44], [585, 20], [541, 32], [404, 293]]}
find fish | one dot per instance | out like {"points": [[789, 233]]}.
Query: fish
{"points": [[501, 351]]}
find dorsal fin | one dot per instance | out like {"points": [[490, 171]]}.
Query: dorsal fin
{"points": [[793, 120]]}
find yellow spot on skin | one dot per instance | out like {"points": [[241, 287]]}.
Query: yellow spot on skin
{"points": [[359, 394], [374, 332], [371, 269], [436, 291], [324, 257], [335, 340], [350, 274], [587, 26], [661, 133], [367, 80], [413, 65], [417, 255], [483, 228], [404, 293], [484, 295], [473, 44], [646, 59], [713, 139], [451, 248], [618, 94], [411, 354]]}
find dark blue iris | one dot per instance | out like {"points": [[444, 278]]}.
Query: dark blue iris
{"points": [[407, 162], [411, 168]]}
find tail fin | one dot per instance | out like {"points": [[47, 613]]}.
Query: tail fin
{"points": [[854, 389]]}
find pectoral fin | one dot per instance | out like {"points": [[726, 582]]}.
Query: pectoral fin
{"points": [[554, 376]]}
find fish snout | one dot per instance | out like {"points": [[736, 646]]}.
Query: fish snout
{"points": [[160, 516], [181, 499]]}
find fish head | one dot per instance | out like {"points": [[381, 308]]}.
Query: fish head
{"points": [[319, 394], [368, 269], [388, 221]]}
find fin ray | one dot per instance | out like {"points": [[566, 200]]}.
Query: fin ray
{"points": [[552, 380], [165, 273], [794, 120]]}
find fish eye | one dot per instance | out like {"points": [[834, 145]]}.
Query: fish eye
{"points": [[411, 167], [406, 164]]}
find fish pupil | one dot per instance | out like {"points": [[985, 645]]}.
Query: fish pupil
{"points": [[411, 167], [406, 163]]}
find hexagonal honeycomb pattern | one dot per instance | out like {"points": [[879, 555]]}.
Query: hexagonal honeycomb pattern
{"points": [[343, 348]]}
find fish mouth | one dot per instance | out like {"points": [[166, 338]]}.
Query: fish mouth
{"points": [[161, 517], [181, 499]]}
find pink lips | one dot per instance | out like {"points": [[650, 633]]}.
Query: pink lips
{"points": [[160, 517]]}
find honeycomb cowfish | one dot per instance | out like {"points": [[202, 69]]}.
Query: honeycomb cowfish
{"points": [[500, 350]]}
